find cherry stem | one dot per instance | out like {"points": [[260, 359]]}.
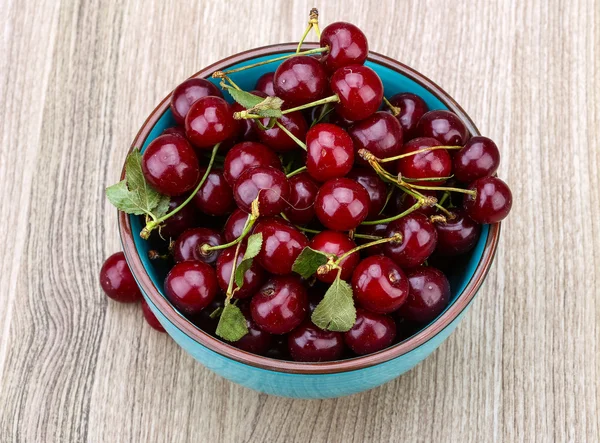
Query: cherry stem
{"points": [[151, 225], [290, 135], [396, 238], [301, 228], [331, 99], [444, 198], [418, 151], [325, 111], [206, 248], [216, 313], [296, 172], [367, 237], [426, 179], [229, 292], [219, 74], [313, 21], [413, 208], [444, 188], [395, 110]]}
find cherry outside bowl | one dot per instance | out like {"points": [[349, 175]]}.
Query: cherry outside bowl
{"points": [[293, 379]]}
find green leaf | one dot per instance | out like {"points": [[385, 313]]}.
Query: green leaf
{"points": [[232, 324], [162, 207], [269, 107], [252, 250], [336, 312], [309, 261], [246, 99]]}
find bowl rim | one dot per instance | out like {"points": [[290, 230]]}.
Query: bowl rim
{"points": [[226, 350]]}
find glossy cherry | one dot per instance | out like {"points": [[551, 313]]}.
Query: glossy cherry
{"points": [[170, 165], [303, 191], [479, 158], [175, 130], [342, 204], [376, 188], [403, 201], [247, 155], [312, 344], [210, 121], [187, 93], [380, 134], [419, 238], [444, 126], [151, 318], [117, 280], [270, 185], [347, 46], [185, 218], [264, 84], [428, 295], [457, 235], [282, 244], [412, 108], [276, 139], [190, 286], [234, 226], [256, 340], [359, 89], [280, 305], [188, 245], [492, 202], [246, 128], [371, 332], [253, 278], [337, 243], [436, 163], [299, 80], [330, 152], [215, 197]]}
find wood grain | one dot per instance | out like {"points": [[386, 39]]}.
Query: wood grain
{"points": [[78, 79]]}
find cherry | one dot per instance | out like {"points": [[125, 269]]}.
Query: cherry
{"points": [[419, 238], [337, 243], [371, 333], [280, 305], [234, 226], [247, 155], [380, 134], [282, 244], [117, 280], [330, 152], [379, 284], [151, 318], [428, 295], [185, 218], [478, 158], [279, 350], [412, 107], [376, 188], [215, 197], [278, 140], [256, 340], [204, 320], [347, 46], [303, 191], [299, 80], [436, 163], [254, 277], [187, 93], [338, 120], [359, 89], [246, 128], [270, 185], [312, 344], [492, 202], [444, 126], [342, 204], [190, 286], [457, 236], [378, 230], [210, 121], [264, 84], [175, 130], [170, 165], [188, 245], [404, 201]]}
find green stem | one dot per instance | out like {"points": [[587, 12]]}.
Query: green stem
{"points": [[418, 151], [296, 172], [206, 248], [290, 135], [272, 60], [229, 292], [308, 28], [325, 111], [331, 99], [394, 238], [367, 237], [413, 208], [395, 110], [444, 198], [443, 188], [301, 228]]}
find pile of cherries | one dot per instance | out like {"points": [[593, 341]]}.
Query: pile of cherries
{"points": [[328, 186]]}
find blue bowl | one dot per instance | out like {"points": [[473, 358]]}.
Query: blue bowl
{"points": [[293, 379]]}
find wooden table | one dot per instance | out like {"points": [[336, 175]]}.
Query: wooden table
{"points": [[79, 77]]}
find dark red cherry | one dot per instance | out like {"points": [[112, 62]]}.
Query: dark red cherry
{"points": [[151, 318], [457, 236], [253, 278], [444, 126], [117, 280], [337, 243], [282, 244], [256, 340], [479, 158], [299, 80], [342, 204], [235, 225], [270, 185], [264, 84], [412, 107], [492, 202], [185, 218], [280, 305], [338, 120], [187, 93], [330, 152], [303, 191], [380, 134], [170, 165], [210, 121], [403, 202], [246, 128], [378, 230], [247, 155], [371, 333], [276, 139], [436, 163], [376, 188], [190, 286], [428, 295], [379, 284], [204, 320], [419, 238], [215, 197], [188, 245], [347, 46], [360, 91], [175, 130], [309, 343]]}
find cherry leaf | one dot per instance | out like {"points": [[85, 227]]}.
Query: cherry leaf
{"points": [[252, 250], [309, 260], [232, 324], [336, 312]]}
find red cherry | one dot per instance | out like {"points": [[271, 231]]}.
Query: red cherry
{"points": [[246, 128], [303, 191], [342, 204], [188, 245], [234, 226], [477, 159], [359, 89], [457, 236], [270, 185], [175, 130], [419, 238], [256, 340], [380, 134], [412, 108], [376, 188], [278, 140], [151, 318], [185, 218], [492, 202], [210, 121], [428, 295], [337, 243], [117, 280], [371, 333], [265, 84], [312, 344], [254, 277], [187, 93], [190, 286], [299, 80], [215, 197], [247, 155], [282, 244], [347, 46], [330, 152], [436, 163], [444, 126]]}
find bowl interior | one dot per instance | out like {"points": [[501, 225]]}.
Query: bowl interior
{"points": [[463, 268]]}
